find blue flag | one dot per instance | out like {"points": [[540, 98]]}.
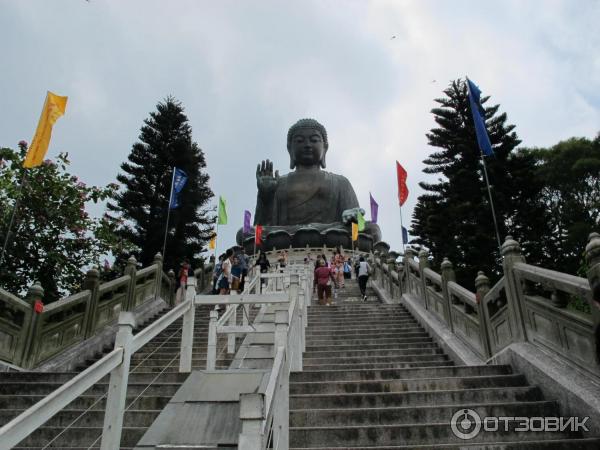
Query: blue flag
{"points": [[479, 118], [179, 180], [404, 235]]}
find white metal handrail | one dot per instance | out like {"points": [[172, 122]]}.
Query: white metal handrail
{"points": [[116, 363]]}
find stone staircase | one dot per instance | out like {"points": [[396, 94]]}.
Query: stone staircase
{"points": [[373, 378], [154, 378]]}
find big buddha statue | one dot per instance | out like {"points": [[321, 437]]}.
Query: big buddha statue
{"points": [[308, 206]]}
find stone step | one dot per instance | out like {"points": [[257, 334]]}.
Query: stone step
{"points": [[386, 351], [402, 385], [373, 359], [45, 388], [313, 324], [416, 415], [401, 374], [144, 402], [406, 343], [416, 398], [380, 365], [79, 436], [550, 444], [372, 331], [413, 434], [83, 418]]}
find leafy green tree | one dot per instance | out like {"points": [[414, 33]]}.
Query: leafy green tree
{"points": [[165, 142], [53, 238], [568, 176], [453, 217]]}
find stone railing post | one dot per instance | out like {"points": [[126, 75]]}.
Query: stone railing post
{"points": [[511, 254], [408, 256], [35, 297], [447, 275], [172, 292], [158, 262], [298, 328], [117, 387], [281, 331], [423, 264], [130, 269], [211, 348], [252, 414], [91, 283], [592, 253], [391, 268], [187, 330], [482, 287]]}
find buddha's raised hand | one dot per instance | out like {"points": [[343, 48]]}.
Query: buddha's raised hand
{"points": [[266, 181]]}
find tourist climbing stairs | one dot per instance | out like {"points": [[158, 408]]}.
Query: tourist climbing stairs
{"points": [[154, 378], [374, 378]]}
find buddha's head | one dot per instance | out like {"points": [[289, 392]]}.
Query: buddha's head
{"points": [[307, 144]]}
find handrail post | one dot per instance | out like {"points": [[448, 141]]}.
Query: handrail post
{"points": [[117, 388], [187, 332], [91, 283], [130, 269], [281, 331], [211, 351], [408, 256], [482, 287], [303, 311], [511, 254], [423, 264], [592, 253], [252, 414], [231, 336], [172, 291], [447, 275], [296, 362], [34, 294], [158, 261], [281, 416], [391, 267]]}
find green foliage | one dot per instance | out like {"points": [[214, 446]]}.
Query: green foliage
{"points": [[165, 141], [53, 238], [453, 217]]}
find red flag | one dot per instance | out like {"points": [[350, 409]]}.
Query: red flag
{"points": [[402, 188], [258, 234]]}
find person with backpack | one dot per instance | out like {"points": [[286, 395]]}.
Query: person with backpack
{"points": [[363, 277], [347, 269]]}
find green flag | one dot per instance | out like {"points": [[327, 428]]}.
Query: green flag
{"points": [[222, 220], [361, 222]]}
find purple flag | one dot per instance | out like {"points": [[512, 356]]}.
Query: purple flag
{"points": [[247, 217], [374, 209]]}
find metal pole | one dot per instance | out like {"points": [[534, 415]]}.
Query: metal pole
{"points": [[402, 229], [168, 215], [487, 183], [12, 217]]}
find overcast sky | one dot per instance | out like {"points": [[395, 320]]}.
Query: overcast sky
{"points": [[246, 70]]}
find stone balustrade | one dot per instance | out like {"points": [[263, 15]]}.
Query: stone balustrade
{"points": [[31, 333], [528, 304]]}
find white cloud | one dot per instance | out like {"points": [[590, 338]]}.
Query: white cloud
{"points": [[245, 71]]}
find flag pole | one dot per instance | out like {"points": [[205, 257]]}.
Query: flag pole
{"points": [[402, 229], [168, 215], [12, 216], [487, 183]]}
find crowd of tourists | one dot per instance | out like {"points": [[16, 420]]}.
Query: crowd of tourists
{"points": [[231, 269]]}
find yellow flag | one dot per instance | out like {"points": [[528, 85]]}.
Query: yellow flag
{"points": [[54, 107], [213, 243], [354, 231]]}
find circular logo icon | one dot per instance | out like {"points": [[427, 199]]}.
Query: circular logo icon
{"points": [[465, 424]]}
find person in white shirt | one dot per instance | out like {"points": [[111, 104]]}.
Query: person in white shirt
{"points": [[363, 276]]}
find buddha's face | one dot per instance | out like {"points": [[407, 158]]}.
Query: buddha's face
{"points": [[307, 147]]}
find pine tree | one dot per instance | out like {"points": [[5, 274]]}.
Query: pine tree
{"points": [[453, 217], [165, 142]]}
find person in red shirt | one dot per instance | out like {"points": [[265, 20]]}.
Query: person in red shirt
{"points": [[323, 279]]}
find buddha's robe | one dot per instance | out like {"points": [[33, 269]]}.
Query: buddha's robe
{"points": [[311, 197]]}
